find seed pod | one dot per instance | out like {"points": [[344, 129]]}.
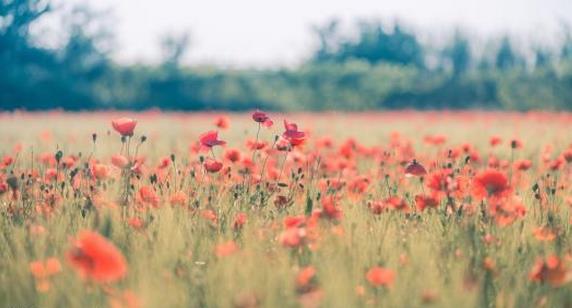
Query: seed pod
{"points": [[59, 155], [12, 182]]}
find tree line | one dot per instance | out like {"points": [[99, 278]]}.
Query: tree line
{"points": [[386, 66]]}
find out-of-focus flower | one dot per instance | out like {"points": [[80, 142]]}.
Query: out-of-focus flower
{"points": [[490, 184], [124, 126], [551, 271], [292, 134], [379, 276], [43, 270], [96, 258], [210, 139], [415, 169], [222, 122], [262, 118], [212, 165], [226, 249]]}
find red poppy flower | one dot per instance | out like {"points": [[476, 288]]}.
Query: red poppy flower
{"points": [[358, 185], [179, 198], [292, 237], [148, 195], [283, 144], [254, 145], [232, 155], [51, 174], [222, 122], [330, 209], [397, 203], [424, 201], [210, 139], [305, 277], [96, 258], [239, 220], [415, 169], [544, 234], [441, 180], [522, 164], [435, 139], [379, 276], [119, 161], [136, 223], [377, 207], [125, 299], [138, 165], [261, 117], [164, 162], [551, 270], [294, 221], [69, 161], [209, 215], [3, 187], [99, 171], [556, 164], [490, 184], [124, 126], [43, 270], [495, 140], [7, 161], [212, 165], [292, 134], [48, 159], [226, 249], [506, 211]]}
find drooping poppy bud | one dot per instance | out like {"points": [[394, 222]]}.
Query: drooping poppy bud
{"points": [[415, 169]]}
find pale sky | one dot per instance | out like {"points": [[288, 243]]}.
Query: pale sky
{"points": [[268, 33]]}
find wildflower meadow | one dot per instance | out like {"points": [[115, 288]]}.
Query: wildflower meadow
{"points": [[394, 209]]}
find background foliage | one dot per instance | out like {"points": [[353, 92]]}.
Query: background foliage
{"points": [[383, 67]]}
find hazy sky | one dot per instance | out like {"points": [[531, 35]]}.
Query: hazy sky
{"points": [[267, 32]]}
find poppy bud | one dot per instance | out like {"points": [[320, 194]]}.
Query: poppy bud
{"points": [[12, 182]]}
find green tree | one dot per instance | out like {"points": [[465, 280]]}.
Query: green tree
{"points": [[374, 44], [506, 57], [458, 53]]}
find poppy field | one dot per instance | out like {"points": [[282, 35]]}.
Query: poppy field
{"points": [[396, 209]]}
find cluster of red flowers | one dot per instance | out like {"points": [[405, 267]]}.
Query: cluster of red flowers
{"points": [[308, 182]]}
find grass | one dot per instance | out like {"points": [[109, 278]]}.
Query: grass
{"points": [[463, 258]]}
